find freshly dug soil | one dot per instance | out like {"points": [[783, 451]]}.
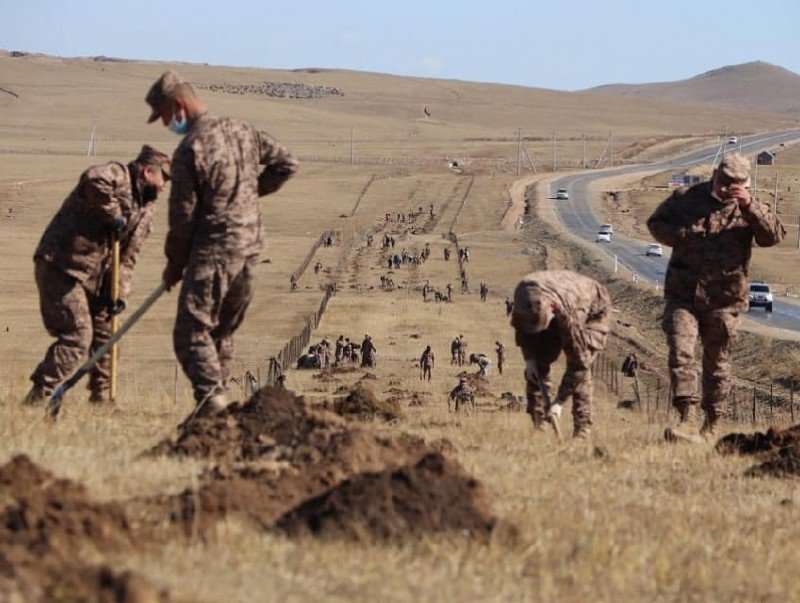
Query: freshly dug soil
{"points": [[478, 384], [783, 463], [275, 453], [46, 526], [758, 442], [362, 403], [434, 494], [779, 450]]}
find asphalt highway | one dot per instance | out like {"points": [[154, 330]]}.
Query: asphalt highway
{"points": [[576, 214]]}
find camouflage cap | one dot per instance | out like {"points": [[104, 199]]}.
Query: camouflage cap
{"points": [[735, 166], [532, 311], [161, 91], [150, 156]]}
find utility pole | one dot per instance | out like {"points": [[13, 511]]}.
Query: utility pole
{"points": [[755, 178], [352, 147], [530, 159], [583, 151], [90, 151], [519, 151], [555, 164], [776, 192]]}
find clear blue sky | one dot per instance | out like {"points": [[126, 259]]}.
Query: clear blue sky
{"points": [[561, 44]]}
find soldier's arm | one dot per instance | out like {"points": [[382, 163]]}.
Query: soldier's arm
{"points": [[130, 252], [182, 205], [767, 228], [279, 164], [105, 192], [666, 224]]}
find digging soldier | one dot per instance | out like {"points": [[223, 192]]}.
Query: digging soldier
{"points": [[711, 228], [220, 169], [555, 311], [455, 346], [73, 264], [426, 363]]}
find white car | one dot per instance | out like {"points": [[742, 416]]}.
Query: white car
{"points": [[654, 249], [733, 140], [607, 228], [562, 194], [760, 294], [603, 237]]}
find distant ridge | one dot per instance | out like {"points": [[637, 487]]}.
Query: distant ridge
{"points": [[756, 86]]}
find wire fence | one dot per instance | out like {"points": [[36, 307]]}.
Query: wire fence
{"points": [[757, 403]]}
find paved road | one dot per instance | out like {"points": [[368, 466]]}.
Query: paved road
{"points": [[577, 215]]}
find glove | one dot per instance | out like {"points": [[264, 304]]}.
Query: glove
{"points": [[115, 307], [117, 225], [555, 412]]}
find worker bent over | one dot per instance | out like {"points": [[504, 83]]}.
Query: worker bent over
{"points": [[555, 311], [73, 264]]}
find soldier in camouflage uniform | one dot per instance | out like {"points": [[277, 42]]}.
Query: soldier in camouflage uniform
{"points": [[73, 264], [461, 394], [426, 364], [555, 311], [711, 228], [220, 169]]}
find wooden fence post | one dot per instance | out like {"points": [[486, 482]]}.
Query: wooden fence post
{"points": [[754, 406]]}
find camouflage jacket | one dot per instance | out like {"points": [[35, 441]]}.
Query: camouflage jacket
{"points": [[427, 358], [462, 392], [711, 246], [78, 238], [219, 170], [582, 310]]}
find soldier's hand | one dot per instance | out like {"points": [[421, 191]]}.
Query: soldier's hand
{"points": [[116, 306], [117, 225], [741, 194], [171, 276]]}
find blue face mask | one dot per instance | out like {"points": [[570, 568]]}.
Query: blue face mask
{"points": [[179, 127]]}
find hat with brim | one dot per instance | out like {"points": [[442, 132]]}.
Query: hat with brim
{"points": [[160, 92], [735, 167]]}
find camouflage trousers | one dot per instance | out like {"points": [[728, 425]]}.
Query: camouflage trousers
{"points": [[80, 323], [716, 330], [214, 297], [545, 348]]}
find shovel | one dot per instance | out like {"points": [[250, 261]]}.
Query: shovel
{"points": [[54, 401]]}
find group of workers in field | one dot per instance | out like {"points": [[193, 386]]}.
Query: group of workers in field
{"points": [[223, 166]]}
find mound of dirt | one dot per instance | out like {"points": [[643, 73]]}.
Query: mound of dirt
{"points": [[275, 453], [46, 525], [434, 494], [783, 463], [362, 403], [759, 442]]}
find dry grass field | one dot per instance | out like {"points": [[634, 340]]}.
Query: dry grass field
{"points": [[625, 517]]}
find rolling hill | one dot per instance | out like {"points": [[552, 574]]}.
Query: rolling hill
{"points": [[756, 86]]}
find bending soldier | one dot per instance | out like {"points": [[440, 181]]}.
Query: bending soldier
{"points": [[555, 311], [711, 228], [73, 264]]}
